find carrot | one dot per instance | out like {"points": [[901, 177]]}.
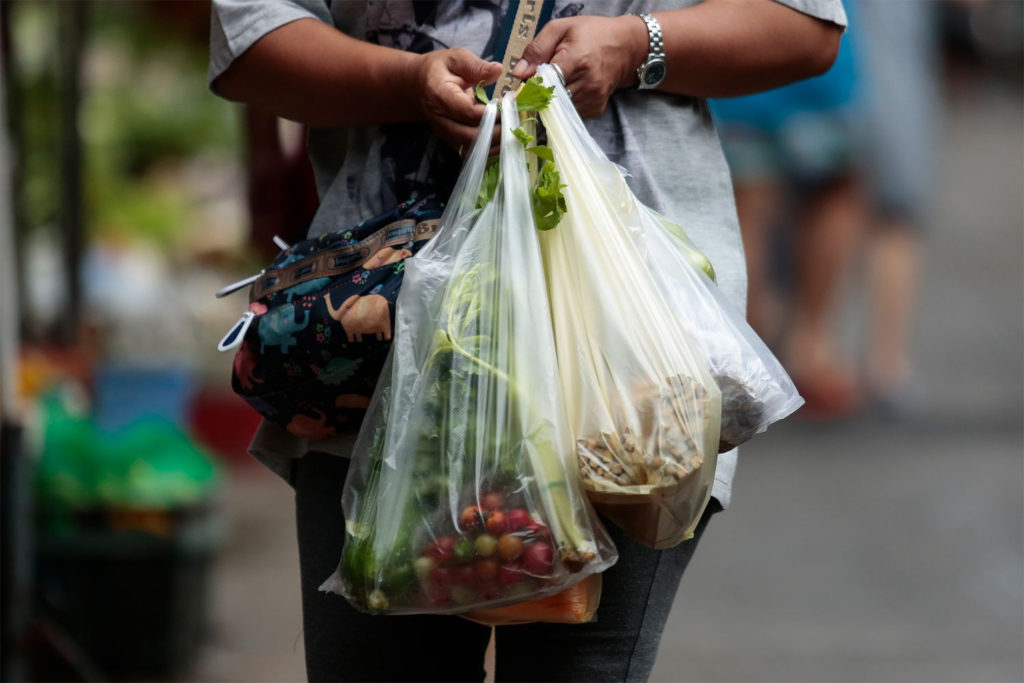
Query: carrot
{"points": [[575, 605]]}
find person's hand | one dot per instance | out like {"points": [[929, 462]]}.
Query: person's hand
{"points": [[598, 55], [443, 91]]}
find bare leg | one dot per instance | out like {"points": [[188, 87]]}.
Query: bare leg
{"points": [[828, 238], [894, 255], [757, 205]]}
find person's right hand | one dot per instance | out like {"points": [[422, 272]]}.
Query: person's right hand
{"points": [[443, 92]]}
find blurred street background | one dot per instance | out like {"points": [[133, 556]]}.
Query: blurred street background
{"points": [[878, 535]]}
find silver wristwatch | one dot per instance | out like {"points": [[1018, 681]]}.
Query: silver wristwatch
{"points": [[652, 72]]}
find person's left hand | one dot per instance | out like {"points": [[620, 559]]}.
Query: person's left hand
{"points": [[598, 55]]}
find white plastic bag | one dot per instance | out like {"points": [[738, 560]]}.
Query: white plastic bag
{"points": [[642, 404], [756, 391], [464, 494]]}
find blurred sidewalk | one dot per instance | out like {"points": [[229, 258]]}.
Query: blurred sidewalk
{"points": [[882, 551], [870, 551], [256, 629]]}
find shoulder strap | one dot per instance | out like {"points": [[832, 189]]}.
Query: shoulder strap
{"points": [[523, 20]]}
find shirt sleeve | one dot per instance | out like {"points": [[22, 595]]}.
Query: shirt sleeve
{"points": [[236, 24], [827, 10]]}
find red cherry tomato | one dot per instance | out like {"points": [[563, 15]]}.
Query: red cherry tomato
{"points": [[442, 550], [537, 530], [496, 522], [510, 574], [517, 519], [464, 574], [471, 518], [440, 576], [492, 501], [538, 558], [486, 569]]}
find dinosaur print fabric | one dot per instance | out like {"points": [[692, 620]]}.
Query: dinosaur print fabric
{"points": [[324, 311]]}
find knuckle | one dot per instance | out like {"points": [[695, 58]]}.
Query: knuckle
{"points": [[532, 52]]}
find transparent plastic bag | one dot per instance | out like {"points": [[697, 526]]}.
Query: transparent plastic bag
{"points": [[577, 604], [464, 494], [756, 391], [643, 407]]}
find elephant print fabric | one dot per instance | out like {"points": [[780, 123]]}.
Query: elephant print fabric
{"points": [[323, 315]]}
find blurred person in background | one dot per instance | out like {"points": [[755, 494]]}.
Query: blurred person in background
{"points": [[899, 57], [795, 153], [849, 158], [389, 104]]}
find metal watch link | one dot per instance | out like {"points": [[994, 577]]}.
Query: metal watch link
{"points": [[652, 72]]}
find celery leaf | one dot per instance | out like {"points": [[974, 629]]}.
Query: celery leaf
{"points": [[481, 94], [547, 198], [489, 184], [534, 96], [543, 151], [523, 136]]}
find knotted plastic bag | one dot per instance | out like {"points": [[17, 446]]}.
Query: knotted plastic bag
{"points": [[464, 493], [643, 407]]}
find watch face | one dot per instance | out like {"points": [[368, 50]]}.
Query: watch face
{"points": [[654, 73]]}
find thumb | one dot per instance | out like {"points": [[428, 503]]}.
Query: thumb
{"points": [[541, 49], [472, 69]]}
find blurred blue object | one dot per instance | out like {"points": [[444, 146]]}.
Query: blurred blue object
{"points": [[123, 394], [809, 131], [769, 111]]}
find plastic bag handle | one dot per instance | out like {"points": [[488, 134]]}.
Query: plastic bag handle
{"points": [[468, 185]]}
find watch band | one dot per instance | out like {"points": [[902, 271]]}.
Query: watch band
{"points": [[651, 73], [656, 47]]}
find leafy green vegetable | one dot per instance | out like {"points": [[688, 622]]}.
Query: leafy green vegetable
{"points": [[481, 94], [523, 136], [489, 185], [543, 151], [547, 198], [534, 96]]}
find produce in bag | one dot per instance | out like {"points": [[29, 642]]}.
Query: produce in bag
{"points": [[642, 405], [756, 391], [575, 605], [464, 494]]}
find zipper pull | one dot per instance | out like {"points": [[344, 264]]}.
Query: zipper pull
{"points": [[281, 244], [235, 286], [236, 334]]}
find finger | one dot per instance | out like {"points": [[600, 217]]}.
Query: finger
{"points": [[577, 86], [570, 68], [455, 134], [458, 104], [542, 48], [495, 140], [471, 69]]}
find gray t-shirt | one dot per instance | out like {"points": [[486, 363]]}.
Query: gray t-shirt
{"points": [[667, 142]]}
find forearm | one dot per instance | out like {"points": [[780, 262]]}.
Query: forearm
{"points": [[310, 72], [724, 48], [720, 48]]}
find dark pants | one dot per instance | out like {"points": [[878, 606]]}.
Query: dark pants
{"points": [[343, 644]]}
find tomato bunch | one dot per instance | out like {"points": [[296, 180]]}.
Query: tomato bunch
{"points": [[495, 552]]}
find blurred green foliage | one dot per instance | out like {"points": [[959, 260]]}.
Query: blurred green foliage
{"points": [[145, 115]]}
